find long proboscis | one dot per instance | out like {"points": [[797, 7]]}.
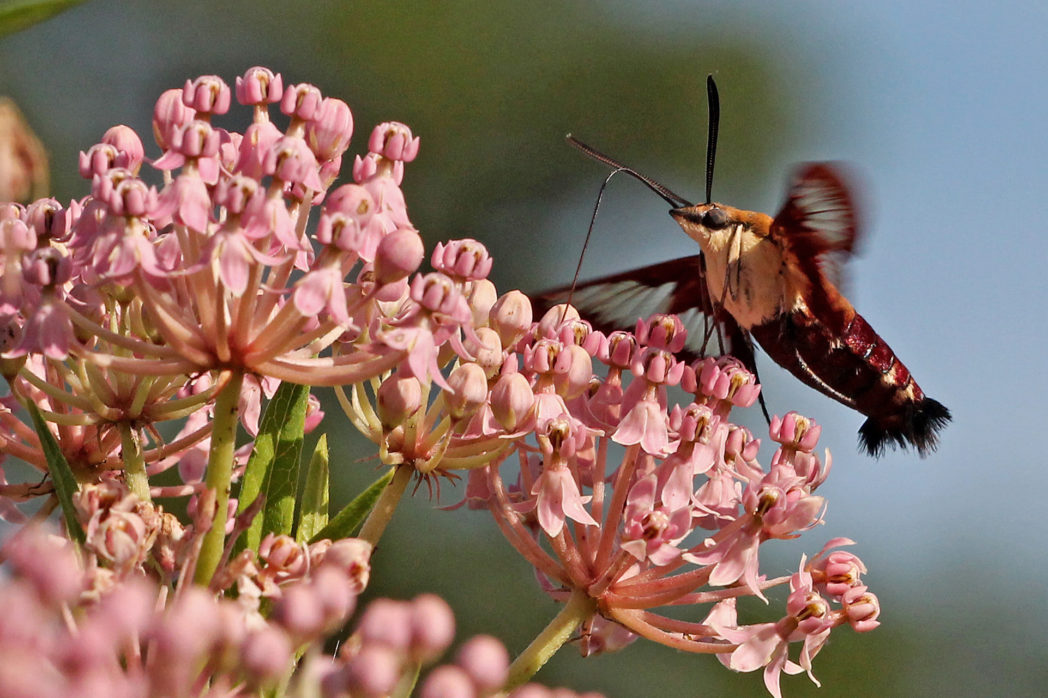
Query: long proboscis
{"points": [[670, 197]]}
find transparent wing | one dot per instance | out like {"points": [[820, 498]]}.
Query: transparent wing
{"points": [[679, 287]]}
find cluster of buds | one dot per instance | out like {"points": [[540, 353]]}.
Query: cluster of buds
{"points": [[191, 298], [623, 503], [66, 632]]}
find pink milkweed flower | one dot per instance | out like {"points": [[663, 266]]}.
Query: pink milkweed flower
{"points": [[259, 86], [290, 160], [185, 201], [650, 531], [795, 432], [645, 424], [664, 332], [724, 380], [301, 101], [557, 497], [862, 608], [466, 260], [393, 140], [837, 571], [206, 95]]}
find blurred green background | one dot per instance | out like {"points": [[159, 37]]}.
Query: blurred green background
{"points": [[941, 105]]}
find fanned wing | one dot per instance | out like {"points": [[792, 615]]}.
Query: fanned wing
{"points": [[819, 222], [678, 286]]}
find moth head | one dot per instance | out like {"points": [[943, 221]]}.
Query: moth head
{"points": [[704, 220]]}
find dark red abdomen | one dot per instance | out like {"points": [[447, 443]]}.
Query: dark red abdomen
{"points": [[857, 368]]}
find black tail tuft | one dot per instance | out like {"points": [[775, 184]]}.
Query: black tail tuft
{"points": [[917, 426]]}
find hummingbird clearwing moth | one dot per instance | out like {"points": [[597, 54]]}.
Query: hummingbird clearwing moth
{"points": [[775, 281]]}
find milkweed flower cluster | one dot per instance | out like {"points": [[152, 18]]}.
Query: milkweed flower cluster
{"points": [[247, 265]]}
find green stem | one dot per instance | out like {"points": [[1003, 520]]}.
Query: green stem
{"points": [[578, 608], [220, 475], [134, 464], [380, 516]]}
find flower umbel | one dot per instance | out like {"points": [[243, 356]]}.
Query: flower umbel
{"points": [[217, 274]]}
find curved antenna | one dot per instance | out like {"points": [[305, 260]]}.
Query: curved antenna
{"points": [[711, 142], [589, 233], [674, 200]]}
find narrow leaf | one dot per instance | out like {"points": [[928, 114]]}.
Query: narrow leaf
{"points": [[272, 469], [16, 15], [314, 506], [61, 474], [346, 522]]}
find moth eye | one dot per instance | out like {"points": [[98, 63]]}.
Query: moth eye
{"points": [[715, 218]]}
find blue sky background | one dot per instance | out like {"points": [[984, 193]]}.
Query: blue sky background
{"points": [[943, 108]]}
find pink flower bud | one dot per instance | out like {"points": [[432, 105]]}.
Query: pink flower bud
{"points": [[447, 682], [572, 371], [208, 94], [397, 400], [329, 131], [511, 317], [399, 254], [486, 661], [170, 115], [386, 622], [130, 151], [353, 557], [259, 86], [265, 655], [373, 672], [47, 561], [282, 556], [432, 627], [336, 593], [487, 348], [481, 296], [300, 612], [511, 400], [556, 316], [469, 390]]}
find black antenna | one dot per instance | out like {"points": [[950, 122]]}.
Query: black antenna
{"points": [[711, 143], [674, 200]]}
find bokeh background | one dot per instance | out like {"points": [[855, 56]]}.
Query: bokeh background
{"points": [[941, 105]]}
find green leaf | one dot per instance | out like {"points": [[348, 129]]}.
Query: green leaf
{"points": [[16, 15], [347, 521], [314, 506], [61, 474], [272, 469]]}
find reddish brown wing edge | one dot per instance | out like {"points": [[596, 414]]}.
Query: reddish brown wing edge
{"points": [[819, 223]]}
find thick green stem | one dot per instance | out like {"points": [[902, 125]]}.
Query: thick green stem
{"points": [[380, 516], [579, 607], [220, 475], [134, 464]]}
